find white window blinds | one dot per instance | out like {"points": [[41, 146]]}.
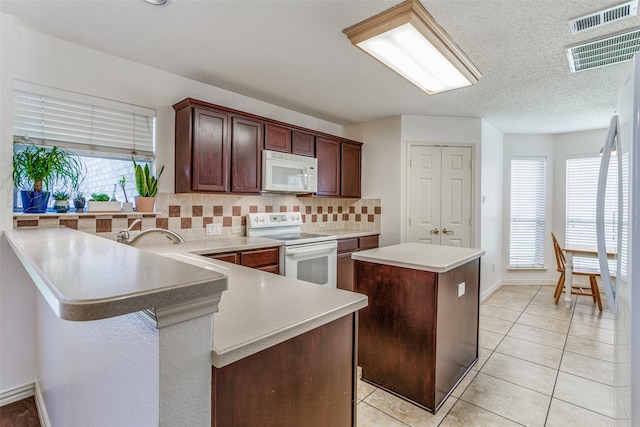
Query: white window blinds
{"points": [[527, 224], [582, 185], [53, 121]]}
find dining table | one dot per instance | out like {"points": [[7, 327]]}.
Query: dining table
{"points": [[585, 251]]}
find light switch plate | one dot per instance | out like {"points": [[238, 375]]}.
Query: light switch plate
{"points": [[461, 287]]}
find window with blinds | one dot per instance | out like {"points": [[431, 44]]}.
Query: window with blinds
{"points": [[582, 186], [123, 129], [527, 222], [105, 134]]}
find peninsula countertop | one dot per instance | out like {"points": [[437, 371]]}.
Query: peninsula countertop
{"points": [[86, 277], [420, 256], [260, 309]]}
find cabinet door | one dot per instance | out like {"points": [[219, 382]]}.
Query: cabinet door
{"points": [[328, 155], [368, 242], [344, 278], [211, 151], [350, 170], [277, 138], [261, 258], [246, 155], [232, 257], [303, 144]]}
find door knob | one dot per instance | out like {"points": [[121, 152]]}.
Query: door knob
{"points": [[435, 231], [447, 232]]}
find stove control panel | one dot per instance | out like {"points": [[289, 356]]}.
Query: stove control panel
{"points": [[282, 219]]}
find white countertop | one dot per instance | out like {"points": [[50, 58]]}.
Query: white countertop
{"points": [[86, 277], [420, 256], [261, 309], [347, 233]]}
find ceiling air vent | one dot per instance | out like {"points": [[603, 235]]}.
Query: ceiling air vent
{"points": [[604, 17], [606, 51]]}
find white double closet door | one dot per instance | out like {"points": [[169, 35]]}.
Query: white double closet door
{"points": [[440, 183]]}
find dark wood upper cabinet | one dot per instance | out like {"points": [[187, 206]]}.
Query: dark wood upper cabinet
{"points": [[202, 150], [219, 150], [350, 169], [246, 155], [277, 138], [328, 155], [303, 144]]}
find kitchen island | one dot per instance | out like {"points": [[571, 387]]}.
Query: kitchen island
{"points": [[418, 336]]}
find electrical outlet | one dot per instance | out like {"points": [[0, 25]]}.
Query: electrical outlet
{"points": [[236, 229], [322, 224], [213, 229], [461, 287]]}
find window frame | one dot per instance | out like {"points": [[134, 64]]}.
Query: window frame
{"points": [[522, 255]]}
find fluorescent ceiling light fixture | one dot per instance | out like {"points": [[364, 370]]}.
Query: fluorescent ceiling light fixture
{"points": [[408, 40]]}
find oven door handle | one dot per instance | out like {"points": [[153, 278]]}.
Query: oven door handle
{"points": [[312, 249]]}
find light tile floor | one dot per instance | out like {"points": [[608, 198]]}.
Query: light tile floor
{"points": [[539, 365]]}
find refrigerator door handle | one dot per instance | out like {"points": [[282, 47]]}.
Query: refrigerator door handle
{"points": [[607, 283]]}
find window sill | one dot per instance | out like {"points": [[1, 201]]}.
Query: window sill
{"points": [[527, 268], [52, 214]]}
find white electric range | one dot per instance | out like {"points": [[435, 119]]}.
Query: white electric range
{"points": [[305, 256]]}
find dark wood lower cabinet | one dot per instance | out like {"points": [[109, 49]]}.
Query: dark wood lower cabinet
{"points": [[309, 380], [345, 269], [417, 337]]}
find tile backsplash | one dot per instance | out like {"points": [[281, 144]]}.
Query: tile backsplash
{"points": [[188, 214]]}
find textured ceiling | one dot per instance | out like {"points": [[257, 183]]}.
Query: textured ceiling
{"points": [[293, 54]]}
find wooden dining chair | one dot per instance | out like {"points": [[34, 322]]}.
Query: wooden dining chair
{"points": [[575, 290]]}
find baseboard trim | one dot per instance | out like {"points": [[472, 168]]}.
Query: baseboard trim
{"points": [[529, 282], [492, 290], [42, 409], [16, 394]]}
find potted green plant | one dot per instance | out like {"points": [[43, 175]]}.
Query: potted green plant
{"points": [[147, 187], [36, 169], [61, 204], [79, 202], [101, 202], [127, 206]]}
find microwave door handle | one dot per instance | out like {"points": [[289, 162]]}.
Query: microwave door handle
{"points": [[306, 177]]}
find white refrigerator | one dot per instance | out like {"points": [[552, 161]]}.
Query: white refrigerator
{"points": [[622, 148]]}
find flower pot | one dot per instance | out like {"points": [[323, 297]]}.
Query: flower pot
{"points": [[127, 207], [145, 204], [79, 205], [34, 201], [61, 206], [95, 206]]}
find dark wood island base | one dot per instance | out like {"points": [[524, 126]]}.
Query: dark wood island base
{"points": [[417, 337], [308, 380]]}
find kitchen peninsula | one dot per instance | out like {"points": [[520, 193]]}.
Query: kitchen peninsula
{"points": [[284, 351], [419, 335], [278, 352]]}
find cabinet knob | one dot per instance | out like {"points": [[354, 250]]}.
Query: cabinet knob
{"points": [[447, 232], [435, 231]]}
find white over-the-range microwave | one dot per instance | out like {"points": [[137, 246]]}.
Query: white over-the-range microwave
{"points": [[288, 173]]}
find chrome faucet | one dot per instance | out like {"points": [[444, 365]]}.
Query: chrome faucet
{"points": [[124, 236]]}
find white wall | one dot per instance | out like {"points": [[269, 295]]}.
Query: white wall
{"points": [[48, 61], [556, 148], [17, 294], [382, 171], [442, 130], [491, 208], [539, 146], [98, 373]]}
